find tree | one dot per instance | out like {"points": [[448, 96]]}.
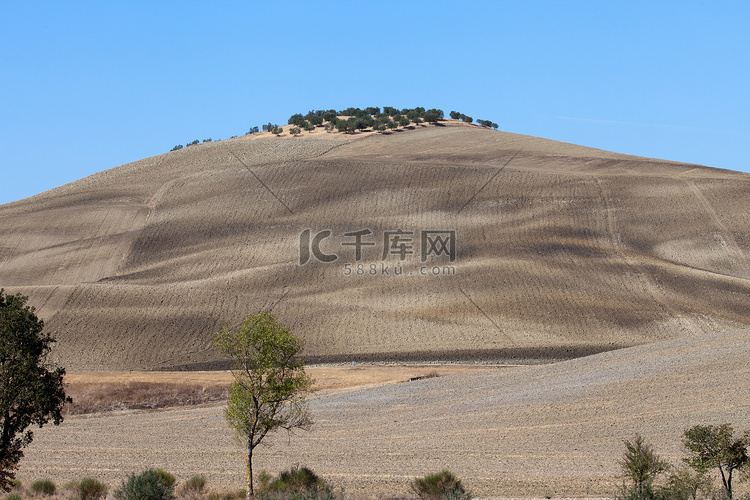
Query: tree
{"points": [[684, 484], [31, 389], [295, 119], [715, 447], [295, 131], [641, 465], [270, 382]]}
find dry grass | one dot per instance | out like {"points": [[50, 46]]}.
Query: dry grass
{"points": [[99, 392]]}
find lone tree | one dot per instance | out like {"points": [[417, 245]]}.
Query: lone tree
{"points": [[641, 465], [270, 383], [715, 447], [31, 390]]}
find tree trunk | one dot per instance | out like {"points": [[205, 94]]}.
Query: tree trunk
{"points": [[249, 494]]}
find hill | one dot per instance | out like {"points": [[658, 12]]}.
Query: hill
{"points": [[560, 250]]}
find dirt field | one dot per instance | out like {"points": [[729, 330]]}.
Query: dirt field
{"points": [[545, 430], [561, 250]]}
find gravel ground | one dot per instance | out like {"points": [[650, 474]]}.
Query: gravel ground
{"points": [[533, 431]]}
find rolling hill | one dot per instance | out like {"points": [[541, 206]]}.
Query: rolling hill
{"points": [[559, 250]]}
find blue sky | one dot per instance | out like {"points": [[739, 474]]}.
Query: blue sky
{"points": [[86, 86]]}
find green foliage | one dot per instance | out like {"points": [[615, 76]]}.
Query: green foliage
{"points": [[193, 487], [685, 484], [309, 127], [715, 447], [176, 148], [253, 130], [645, 492], [13, 496], [296, 480], [315, 118], [641, 465], [195, 142], [207, 140], [440, 486], [153, 484], [295, 131], [43, 487], [276, 130], [298, 483], [32, 390], [270, 381], [296, 119], [487, 123], [88, 489], [329, 115]]}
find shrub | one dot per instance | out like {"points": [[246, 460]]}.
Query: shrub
{"points": [[43, 487], [440, 486], [294, 130], [228, 495], [153, 484], [91, 489], [296, 480], [176, 148], [193, 487], [13, 496]]}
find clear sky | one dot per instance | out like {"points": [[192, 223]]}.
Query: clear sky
{"points": [[86, 86]]}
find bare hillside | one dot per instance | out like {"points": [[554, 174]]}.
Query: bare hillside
{"points": [[560, 250], [542, 431]]}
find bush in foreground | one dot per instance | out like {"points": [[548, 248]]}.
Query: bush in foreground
{"points": [[153, 484], [193, 488], [440, 486], [297, 483], [43, 487], [91, 489]]}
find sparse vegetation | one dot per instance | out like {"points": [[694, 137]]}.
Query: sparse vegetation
{"points": [[43, 487], [93, 397], [296, 483], [357, 119], [153, 484], [442, 485], [193, 488], [88, 488]]}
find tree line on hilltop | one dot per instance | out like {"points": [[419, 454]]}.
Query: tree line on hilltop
{"points": [[352, 120]]}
